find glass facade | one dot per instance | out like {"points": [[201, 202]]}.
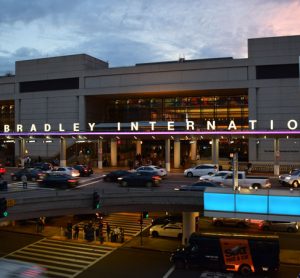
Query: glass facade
{"points": [[200, 109]]}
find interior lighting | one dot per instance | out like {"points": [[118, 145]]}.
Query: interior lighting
{"points": [[153, 137]]}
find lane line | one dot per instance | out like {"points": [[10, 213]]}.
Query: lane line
{"points": [[170, 271]]}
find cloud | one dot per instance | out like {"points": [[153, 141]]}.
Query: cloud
{"points": [[126, 32]]}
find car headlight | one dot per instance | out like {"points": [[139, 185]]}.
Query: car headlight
{"points": [[287, 178], [119, 179]]}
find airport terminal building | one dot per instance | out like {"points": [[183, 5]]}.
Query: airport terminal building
{"points": [[78, 109]]}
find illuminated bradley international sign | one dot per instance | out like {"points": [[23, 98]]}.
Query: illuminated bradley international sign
{"points": [[142, 128]]}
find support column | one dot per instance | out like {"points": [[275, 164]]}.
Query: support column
{"points": [[189, 225], [63, 153], [215, 152], [100, 153], [193, 149], [113, 152], [138, 147], [167, 154], [177, 153], [81, 112], [276, 157], [22, 148]]}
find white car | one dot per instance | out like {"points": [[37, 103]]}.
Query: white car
{"points": [[167, 230], [68, 170], [217, 177], [153, 169], [200, 170]]}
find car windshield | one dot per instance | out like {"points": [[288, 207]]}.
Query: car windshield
{"points": [[295, 172]]}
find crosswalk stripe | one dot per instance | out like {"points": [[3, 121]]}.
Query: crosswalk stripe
{"points": [[61, 258]]}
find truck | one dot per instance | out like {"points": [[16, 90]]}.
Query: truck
{"points": [[246, 181], [242, 253]]}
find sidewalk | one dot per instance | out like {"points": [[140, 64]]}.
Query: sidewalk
{"points": [[146, 243]]}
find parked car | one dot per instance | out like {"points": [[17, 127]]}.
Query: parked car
{"points": [[235, 222], [216, 177], [56, 179], [167, 230], [32, 174], [44, 166], [153, 169], [2, 169], [139, 179], [197, 186], [67, 170], [200, 170], [114, 175], [292, 179], [279, 226], [163, 220], [84, 170], [246, 181]]}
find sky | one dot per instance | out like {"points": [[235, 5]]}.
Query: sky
{"points": [[127, 32]]}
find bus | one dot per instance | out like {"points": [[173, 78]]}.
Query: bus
{"points": [[243, 253]]}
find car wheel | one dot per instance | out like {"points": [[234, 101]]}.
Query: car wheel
{"points": [[148, 184], [295, 184], [218, 223], [245, 270], [290, 230], [154, 234], [256, 185], [124, 183], [179, 264], [241, 225], [265, 228], [190, 174]]}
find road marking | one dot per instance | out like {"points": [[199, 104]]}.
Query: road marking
{"points": [[169, 272]]}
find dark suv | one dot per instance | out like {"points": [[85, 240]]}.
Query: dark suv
{"points": [[84, 170]]}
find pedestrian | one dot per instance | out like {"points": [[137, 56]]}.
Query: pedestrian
{"points": [[101, 237], [122, 236], [24, 181], [108, 231], [76, 231]]}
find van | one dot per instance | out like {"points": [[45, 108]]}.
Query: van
{"points": [[243, 253]]}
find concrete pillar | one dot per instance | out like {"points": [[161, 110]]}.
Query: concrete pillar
{"points": [[177, 152], [189, 225], [81, 113], [276, 157], [100, 153], [193, 149], [113, 152], [215, 152], [167, 154], [22, 148], [138, 147], [63, 152]]}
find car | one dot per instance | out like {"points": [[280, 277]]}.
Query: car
{"points": [[216, 177], [114, 175], [60, 180], [32, 174], [279, 226], [2, 169], [153, 169], [200, 170], [139, 179], [197, 186], [167, 219], [235, 222], [292, 179], [84, 170], [67, 170], [44, 166], [167, 230]]}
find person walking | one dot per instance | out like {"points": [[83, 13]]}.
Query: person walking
{"points": [[108, 230], [24, 181], [76, 231]]}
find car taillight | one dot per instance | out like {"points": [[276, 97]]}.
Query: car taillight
{"points": [[85, 170], [156, 178], [71, 180]]}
